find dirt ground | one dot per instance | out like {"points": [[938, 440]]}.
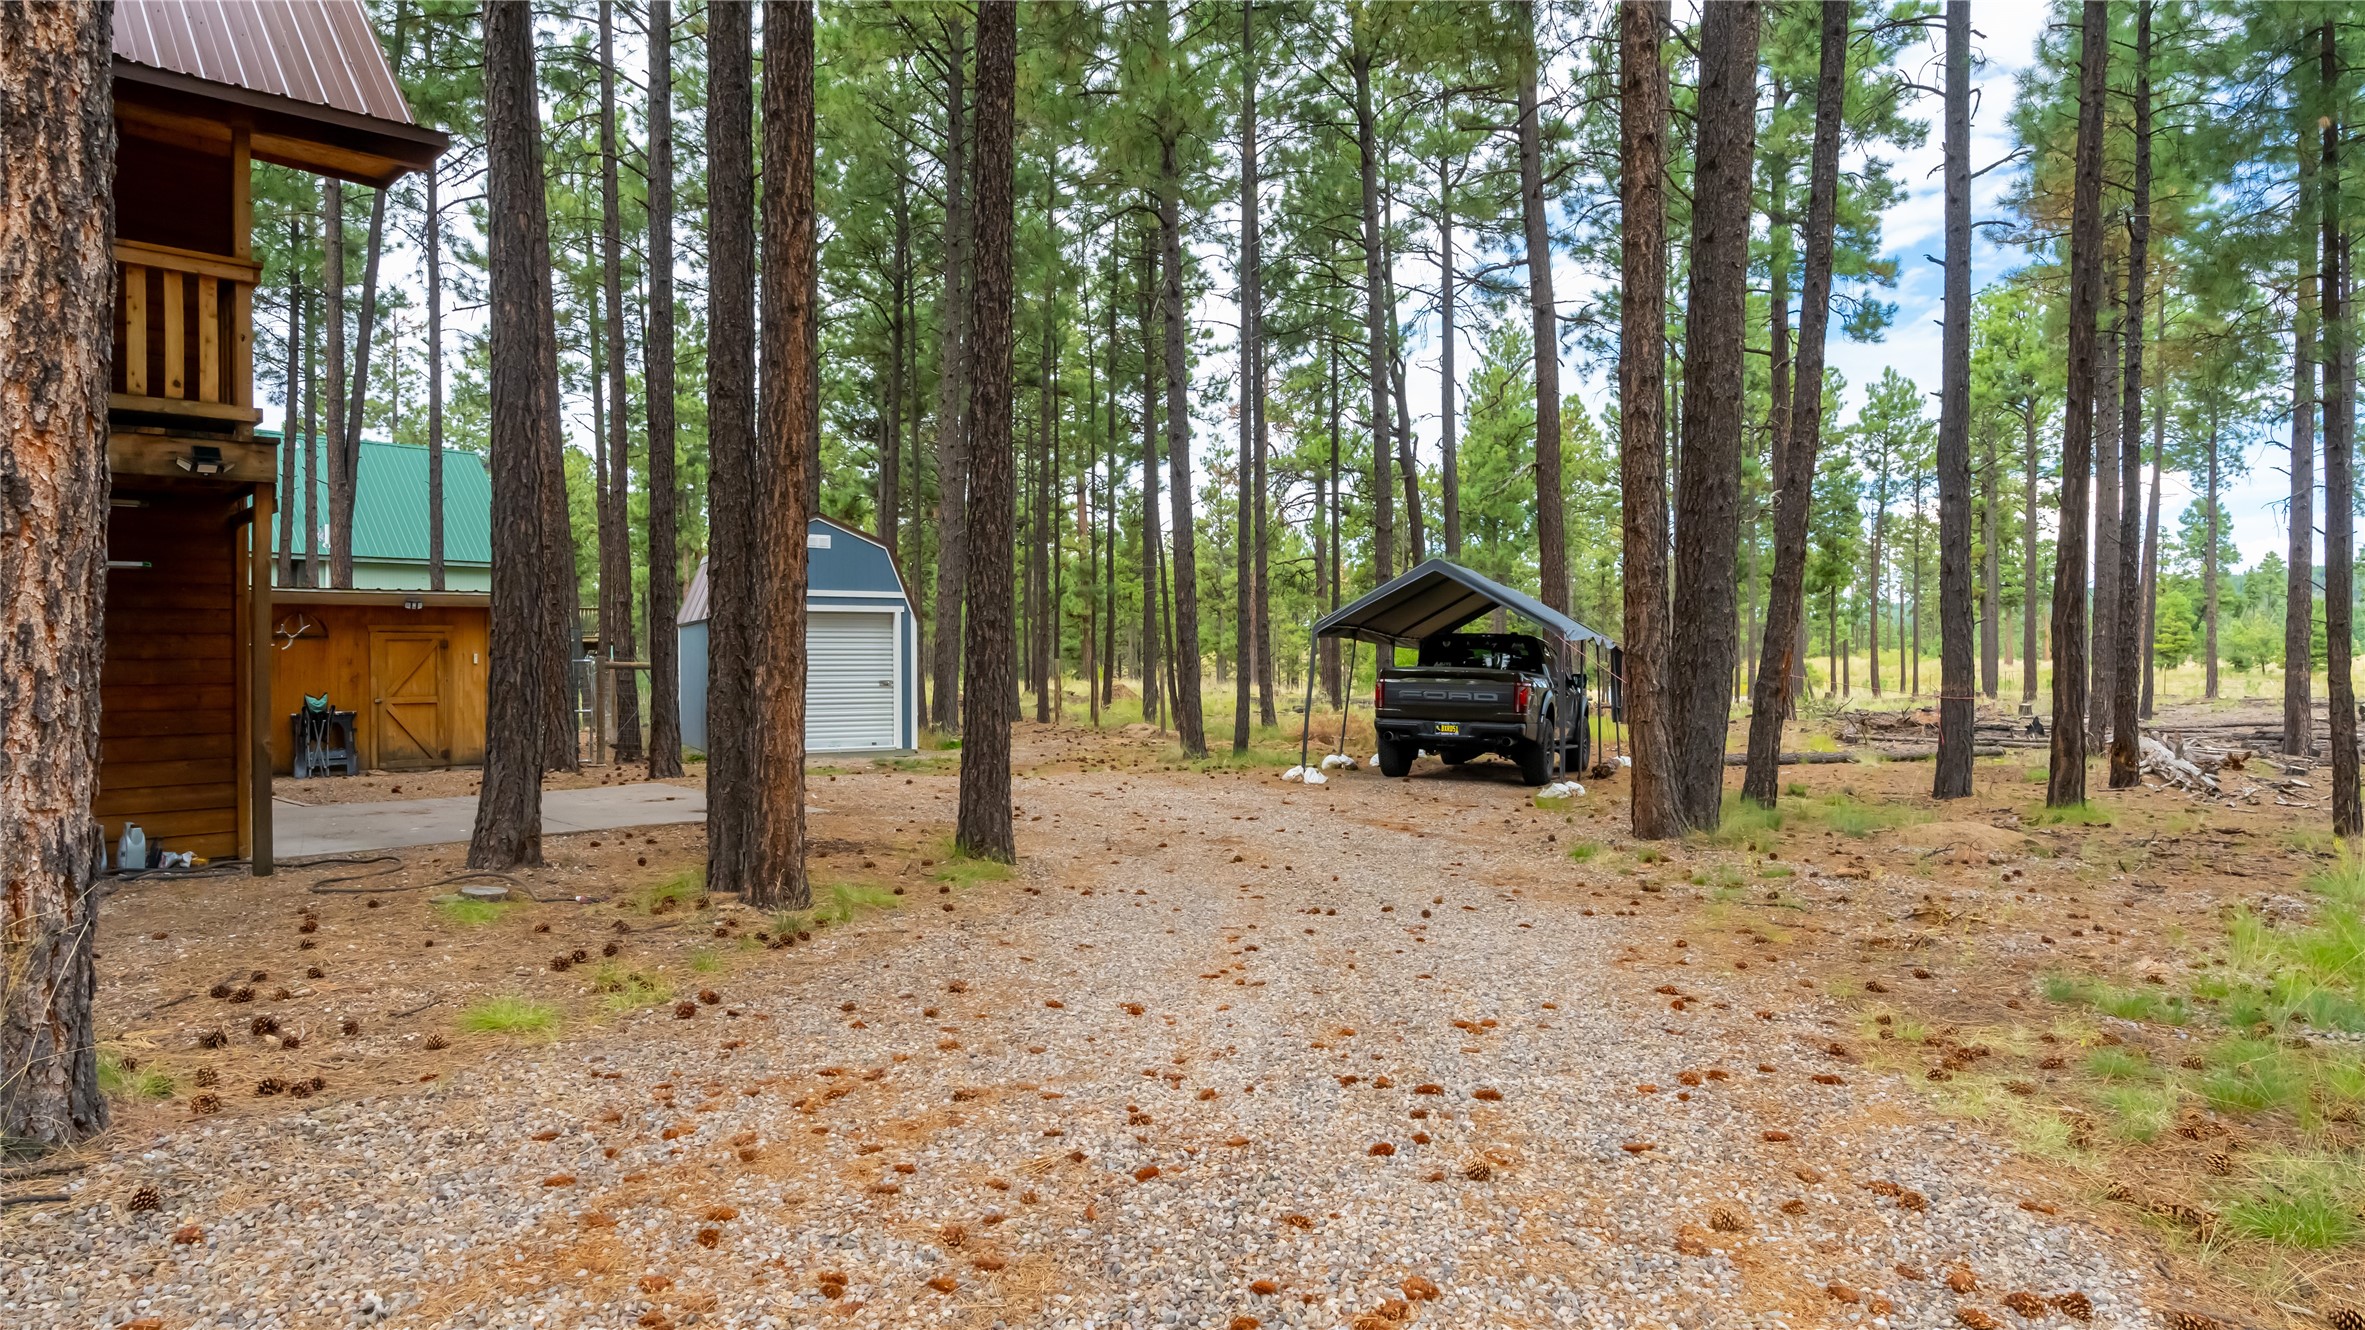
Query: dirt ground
{"points": [[378, 786], [2062, 988]]}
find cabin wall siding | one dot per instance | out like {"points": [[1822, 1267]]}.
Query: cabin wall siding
{"points": [[169, 713]]}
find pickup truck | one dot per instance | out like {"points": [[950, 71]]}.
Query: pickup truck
{"points": [[1475, 693]]}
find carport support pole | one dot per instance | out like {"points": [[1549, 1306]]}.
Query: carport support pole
{"points": [[1347, 698], [1305, 734]]}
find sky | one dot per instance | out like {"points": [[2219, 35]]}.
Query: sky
{"points": [[2005, 41]]}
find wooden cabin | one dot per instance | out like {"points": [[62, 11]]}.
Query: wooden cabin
{"points": [[203, 90]]}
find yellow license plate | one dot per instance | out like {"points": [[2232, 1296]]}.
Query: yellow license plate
{"points": [[1449, 729]]}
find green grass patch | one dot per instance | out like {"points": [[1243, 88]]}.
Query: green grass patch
{"points": [[1649, 854], [1746, 824], [1585, 851], [2127, 1002], [470, 913], [837, 903], [2139, 1113], [622, 990], [509, 1014], [1794, 790], [705, 961], [1850, 816], [123, 1078], [679, 891], [963, 870], [2118, 1064], [2311, 1202]]}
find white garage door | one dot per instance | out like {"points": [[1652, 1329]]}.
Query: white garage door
{"points": [[850, 681]]}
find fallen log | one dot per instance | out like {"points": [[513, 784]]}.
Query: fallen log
{"points": [[1879, 754]]}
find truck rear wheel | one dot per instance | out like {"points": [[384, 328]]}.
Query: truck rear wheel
{"points": [[1396, 756], [1539, 762]]}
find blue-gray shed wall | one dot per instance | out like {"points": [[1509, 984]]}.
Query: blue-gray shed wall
{"points": [[851, 571]]}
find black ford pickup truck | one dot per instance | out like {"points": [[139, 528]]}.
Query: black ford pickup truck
{"points": [[1477, 693]]}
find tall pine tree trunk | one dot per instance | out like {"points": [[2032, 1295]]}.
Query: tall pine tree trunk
{"points": [[1375, 321], [1957, 706], [1450, 466], [1188, 725], [314, 568], [2065, 781], [1794, 459], [952, 450], [524, 427], [2151, 522], [782, 500], [2209, 573], [2126, 683], [1642, 433], [984, 829], [1152, 689], [340, 478], [615, 533], [1708, 517], [57, 295], [1991, 582], [730, 428], [665, 684], [2108, 403], [1544, 322], [291, 436], [1251, 493], [2028, 554], [432, 241], [2340, 406], [2299, 572]]}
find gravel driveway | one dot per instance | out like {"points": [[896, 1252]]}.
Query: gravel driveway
{"points": [[1227, 1053]]}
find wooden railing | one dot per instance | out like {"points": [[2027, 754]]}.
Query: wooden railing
{"points": [[184, 334]]}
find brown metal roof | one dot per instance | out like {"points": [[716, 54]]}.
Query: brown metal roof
{"points": [[322, 52]]}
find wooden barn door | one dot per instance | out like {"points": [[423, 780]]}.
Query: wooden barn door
{"points": [[409, 668]]}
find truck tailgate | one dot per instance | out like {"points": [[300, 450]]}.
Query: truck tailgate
{"points": [[1452, 694]]}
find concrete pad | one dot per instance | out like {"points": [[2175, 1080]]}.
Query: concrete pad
{"points": [[300, 832]]}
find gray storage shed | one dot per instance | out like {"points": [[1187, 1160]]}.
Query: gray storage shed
{"points": [[862, 670]]}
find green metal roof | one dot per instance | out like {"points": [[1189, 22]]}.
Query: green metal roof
{"points": [[390, 504]]}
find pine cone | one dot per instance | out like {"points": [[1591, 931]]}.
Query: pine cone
{"points": [[204, 1105], [436, 1043], [205, 1076], [2074, 1305], [2345, 1318], [1726, 1219], [268, 1086], [262, 1025], [349, 1026], [2183, 1318], [146, 1200], [1975, 1319], [684, 1010], [213, 1039], [219, 992], [2027, 1304]]}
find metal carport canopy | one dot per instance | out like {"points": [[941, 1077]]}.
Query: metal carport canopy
{"points": [[1438, 597]]}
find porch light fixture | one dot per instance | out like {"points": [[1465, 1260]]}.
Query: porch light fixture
{"points": [[413, 603], [204, 459]]}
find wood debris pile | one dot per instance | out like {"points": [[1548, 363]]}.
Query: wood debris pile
{"points": [[2216, 767]]}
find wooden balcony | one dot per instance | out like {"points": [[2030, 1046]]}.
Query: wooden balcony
{"points": [[184, 338]]}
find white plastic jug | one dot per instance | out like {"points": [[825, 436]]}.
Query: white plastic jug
{"points": [[131, 853]]}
